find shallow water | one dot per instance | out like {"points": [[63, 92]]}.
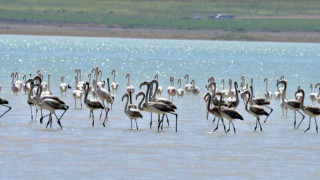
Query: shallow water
{"points": [[29, 150]]}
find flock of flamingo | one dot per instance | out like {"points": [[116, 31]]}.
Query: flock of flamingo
{"points": [[222, 104]]}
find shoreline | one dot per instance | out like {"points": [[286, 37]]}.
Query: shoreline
{"points": [[93, 30]]}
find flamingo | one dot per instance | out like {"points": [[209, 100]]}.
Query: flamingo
{"points": [[114, 84], [255, 110], [14, 86], [277, 93], [244, 96], [42, 97], [195, 89], [4, 102], [48, 90], [259, 100], [132, 113], [243, 84], [158, 107], [18, 82], [225, 93], [214, 111], [311, 111], [44, 85], [235, 102], [232, 92], [26, 85], [298, 95], [313, 95], [129, 88], [180, 91], [158, 99], [318, 96], [267, 94], [32, 99], [231, 97], [77, 93], [171, 89], [50, 105], [63, 87], [229, 114], [293, 105], [187, 87], [92, 104], [104, 95], [100, 82], [160, 89], [143, 107]]}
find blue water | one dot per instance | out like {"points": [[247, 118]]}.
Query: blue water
{"points": [[29, 150]]}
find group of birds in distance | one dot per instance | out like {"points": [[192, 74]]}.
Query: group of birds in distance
{"points": [[222, 104]]}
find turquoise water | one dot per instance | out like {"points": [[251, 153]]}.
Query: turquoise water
{"points": [[30, 151]]}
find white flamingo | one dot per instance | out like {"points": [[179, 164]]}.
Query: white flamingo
{"points": [[195, 89], [63, 87], [180, 91], [104, 95], [277, 93], [267, 94], [77, 94], [129, 87], [14, 87], [187, 87], [26, 85], [132, 113], [171, 89], [48, 90], [114, 84], [160, 89], [313, 95], [224, 92]]}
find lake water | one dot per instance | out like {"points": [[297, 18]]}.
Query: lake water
{"points": [[30, 151]]}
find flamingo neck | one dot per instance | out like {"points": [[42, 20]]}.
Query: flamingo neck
{"points": [[126, 106], [155, 90], [140, 103]]}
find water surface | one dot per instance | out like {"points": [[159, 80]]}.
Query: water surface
{"points": [[30, 151]]}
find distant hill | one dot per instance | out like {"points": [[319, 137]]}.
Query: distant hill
{"points": [[269, 15]]}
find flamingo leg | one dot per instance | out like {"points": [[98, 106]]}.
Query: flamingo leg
{"points": [[58, 121], [315, 120], [48, 120], [151, 121], [255, 128], [31, 113], [268, 113], [234, 128], [214, 119], [136, 124], [295, 120], [259, 124], [92, 118], [301, 119], [176, 119], [309, 125], [228, 127], [9, 108], [216, 127], [266, 118], [224, 126], [160, 121], [167, 119], [36, 113], [106, 118]]}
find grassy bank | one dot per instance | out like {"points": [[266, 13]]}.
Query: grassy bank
{"points": [[166, 14]]}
